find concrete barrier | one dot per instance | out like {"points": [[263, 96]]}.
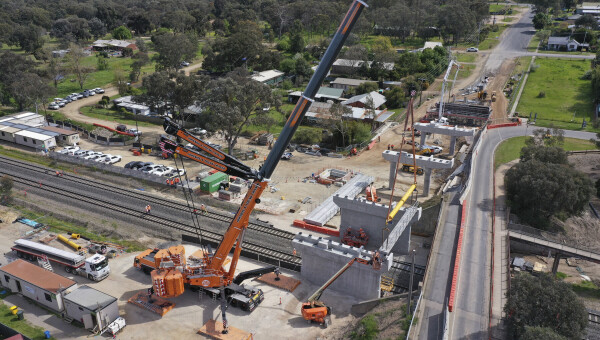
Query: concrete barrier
{"points": [[365, 306]]}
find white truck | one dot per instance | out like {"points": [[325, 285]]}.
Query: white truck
{"points": [[94, 268]]}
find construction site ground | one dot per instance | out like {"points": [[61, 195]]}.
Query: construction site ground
{"points": [[270, 320]]}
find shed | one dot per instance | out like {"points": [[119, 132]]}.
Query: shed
{"points": [[362, 99], [93, 308], [347, 83], [65, 137], [36, 283], [35, 139]]}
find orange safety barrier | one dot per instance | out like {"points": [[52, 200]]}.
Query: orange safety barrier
{"points": [[113, 130], [457, 258], [504, 125], [316, 228], [371, 145]]}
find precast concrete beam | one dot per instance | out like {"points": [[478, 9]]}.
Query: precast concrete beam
{"points": [[400, 228], [434, 127], [422, 161], [321, 259], [359, 213]]}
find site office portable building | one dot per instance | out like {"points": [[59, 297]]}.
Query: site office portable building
{"points": [[36, 283], [93, 308]]}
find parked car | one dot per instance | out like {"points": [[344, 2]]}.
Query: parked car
{"points": [[112, 159], [92, 155], [472, 49], [436, 149], [68, 99], [98, 90], [149, 168], [286, 156], [162, 171], [53, 106], [185, 63], [142, 165], [68, 149], [61, 103], [176, 173], [84, 94], [197, 131], [131, 164], [74, 96]]}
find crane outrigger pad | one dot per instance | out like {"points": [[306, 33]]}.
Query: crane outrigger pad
{"points": [[284, 282], [213, 329]]}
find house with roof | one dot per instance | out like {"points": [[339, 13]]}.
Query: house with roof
{"points": [[320, 112], [348, 83], [361, 100], [566, 43], [36, 283], [130, 105], [592, 8], [349, 66], [112, 45], [270, 77], [324, 94], [65, 137]]}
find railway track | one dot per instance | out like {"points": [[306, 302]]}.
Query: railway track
{"points": [[214, 215]]}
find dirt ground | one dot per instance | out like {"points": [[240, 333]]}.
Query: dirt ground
{"points": [[270, 319]]}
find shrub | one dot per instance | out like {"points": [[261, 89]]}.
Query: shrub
{"points": [[306, 135], [542, 94]]}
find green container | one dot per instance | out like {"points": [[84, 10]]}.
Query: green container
{"points": [[211, 183]]}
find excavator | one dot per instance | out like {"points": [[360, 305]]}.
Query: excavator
{"points": [[169, 280], [314, 310]]}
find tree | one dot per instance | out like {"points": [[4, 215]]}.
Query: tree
{"points": [[120, 82], [367, 87], [75, 58], [97, 28], [541, 20], [121, 33], [141, 45], [173, 49], [395, 97], [306, 135], [595, 83], [140, 23], [543, 301], [179, 21], [101, 62], [359, 132], [296, 40], [337, 121], [141, 59], [587, 21], [544, 154], [537, 333], [55, 70], [30, 89], [565, 190], [29, 37], [6, 185], [232, 102]]}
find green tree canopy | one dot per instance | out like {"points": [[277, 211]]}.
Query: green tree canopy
{"points": [[543, 301], [537, 333], [544, 154], [122, 33]]}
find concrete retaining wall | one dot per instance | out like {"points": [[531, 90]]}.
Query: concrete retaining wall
{"points": [[321, 259], [428, 222]]}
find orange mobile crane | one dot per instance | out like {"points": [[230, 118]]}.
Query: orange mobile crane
{"points": [[169, 281]]}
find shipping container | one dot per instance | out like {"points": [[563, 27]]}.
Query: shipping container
{"points": [[211, 183]]}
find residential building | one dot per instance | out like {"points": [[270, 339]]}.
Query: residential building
{"points": [[270, 77], [131, 106], [324, 94], [347, 83], [566, 43], [349, 66], [36, 283], [112, 45], [362, 99], [93, 308], [319, 112], [592, 8]]}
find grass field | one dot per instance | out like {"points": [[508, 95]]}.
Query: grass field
{"points": [[465, 71], [21, 326], [493, 38], [510, 149], [466, 57], [508, 19], [568, 98], [111, 115]]}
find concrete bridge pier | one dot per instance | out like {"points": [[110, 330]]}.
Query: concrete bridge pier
{"points": [[555, 263], [426, 181], [427, 163], [452, 145]]}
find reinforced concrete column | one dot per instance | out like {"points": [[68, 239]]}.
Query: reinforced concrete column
{"points": [[427, 181], [452, 145], [423, 137], [555, 263], [392, 177]]}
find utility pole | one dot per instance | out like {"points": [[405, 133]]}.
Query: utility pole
{"points": [[421, 90], [410, 283]]}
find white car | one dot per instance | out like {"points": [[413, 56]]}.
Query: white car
{"points": [[111, 159], [74, 96], [185, 63], [53, 106], [148, 168], [98, 90], [93, 155], [69, 149], [472, 49], [175, 173], [163, 171]]}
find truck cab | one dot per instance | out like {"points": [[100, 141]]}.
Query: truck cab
{"points": [[96, 267]]}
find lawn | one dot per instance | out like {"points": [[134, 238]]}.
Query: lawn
{"points": [[510, 149], [100, 78], [568, 98], [21, 326], [59, 226], [111, 115], [493, 38], [466, 57], [465, 71], [508, 19]]}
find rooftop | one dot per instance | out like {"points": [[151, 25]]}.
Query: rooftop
{"points": [[378, 99], [59, 130], [351, 82], [113, 42], [33, 135], [37, 276], [267, 75], [90, 298]]}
